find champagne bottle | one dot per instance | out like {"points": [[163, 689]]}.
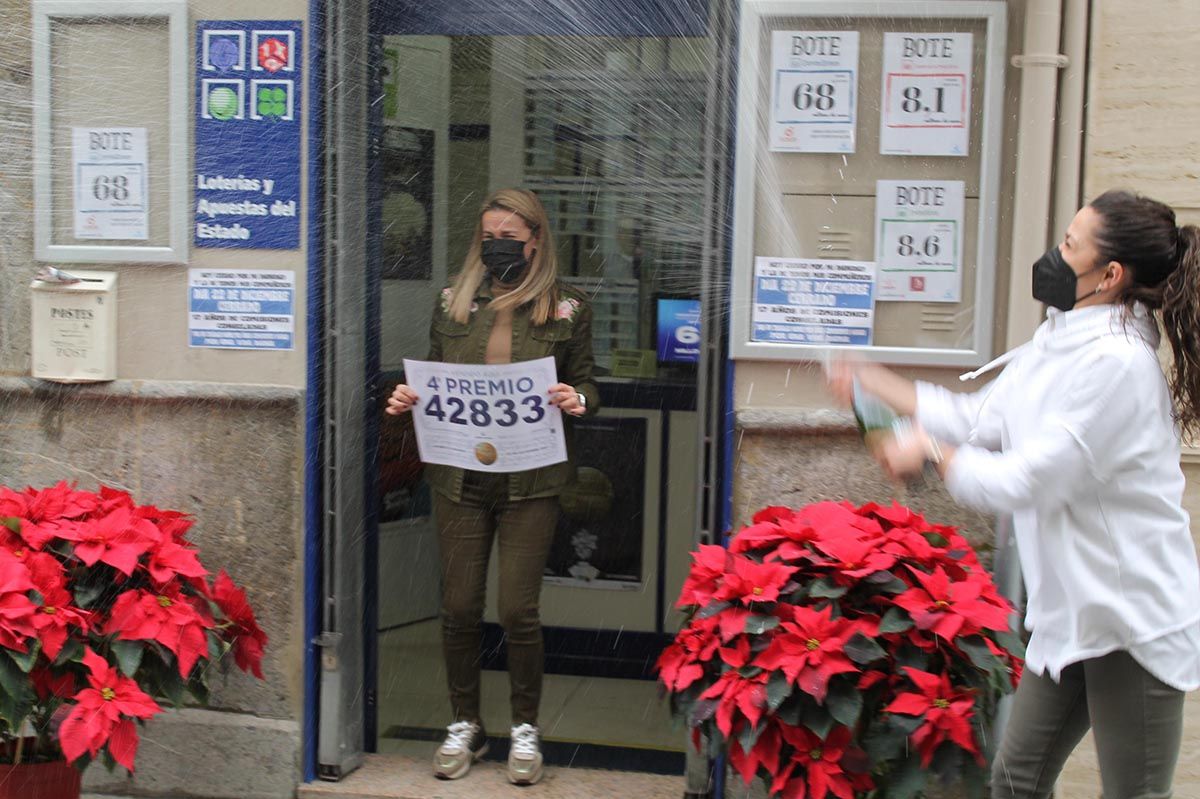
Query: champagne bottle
{"points": [[876, 421]]}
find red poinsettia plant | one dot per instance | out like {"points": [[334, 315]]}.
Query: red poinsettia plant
{"points": [[841, 651], [106, 616]]}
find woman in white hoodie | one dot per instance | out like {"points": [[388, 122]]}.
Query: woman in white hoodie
{"points": [[1079, 439]]}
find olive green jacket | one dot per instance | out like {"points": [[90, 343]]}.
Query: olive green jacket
{"points": [[567, 338]]}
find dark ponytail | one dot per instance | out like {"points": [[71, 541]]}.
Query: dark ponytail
{"points": [[1140, 234], [1181, 323]]}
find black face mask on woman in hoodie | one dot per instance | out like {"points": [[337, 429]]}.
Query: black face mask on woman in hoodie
{"points": [[1055, 282]]}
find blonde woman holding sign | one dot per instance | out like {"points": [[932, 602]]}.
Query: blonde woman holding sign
{"points": [[506, 306]]}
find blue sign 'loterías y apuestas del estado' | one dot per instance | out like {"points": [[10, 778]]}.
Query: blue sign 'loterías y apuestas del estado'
{"points": [[248, 90]]}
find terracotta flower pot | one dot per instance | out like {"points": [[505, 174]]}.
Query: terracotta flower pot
{"points": [[55, 780]]}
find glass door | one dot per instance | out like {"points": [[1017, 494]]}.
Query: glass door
{"points": [[605, 117]]}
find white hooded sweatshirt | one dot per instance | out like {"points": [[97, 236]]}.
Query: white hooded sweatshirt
{"points": [[1076, 440]]}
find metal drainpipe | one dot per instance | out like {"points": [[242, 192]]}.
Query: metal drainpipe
{"points": [[1039, 66], [1068, 162]]}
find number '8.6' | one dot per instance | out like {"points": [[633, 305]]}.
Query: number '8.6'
{"points": [[481, 413]]}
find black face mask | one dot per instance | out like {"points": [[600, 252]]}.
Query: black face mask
{"points": [[504, 259], [1055, 282]]}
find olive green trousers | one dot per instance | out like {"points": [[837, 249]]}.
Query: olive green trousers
{"points": [[524, 530]]}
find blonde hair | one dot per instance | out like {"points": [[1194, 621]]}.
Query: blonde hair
{"points": [[539, 285]]}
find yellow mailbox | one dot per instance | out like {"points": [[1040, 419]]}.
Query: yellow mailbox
{"points": [[74, 326]]}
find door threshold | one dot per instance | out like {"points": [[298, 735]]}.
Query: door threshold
{"points": [[404, 777]]}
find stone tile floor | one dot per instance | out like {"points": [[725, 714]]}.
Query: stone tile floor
{"points": [[398, 776]]}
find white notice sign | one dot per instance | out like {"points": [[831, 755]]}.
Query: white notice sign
{"points": [[487, 418], [926, 103], [814, 91], [110, 170], [919, 239], [242, 309], [813, 301]]}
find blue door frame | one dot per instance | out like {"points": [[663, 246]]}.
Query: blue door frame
{"points": [[446, 17]]}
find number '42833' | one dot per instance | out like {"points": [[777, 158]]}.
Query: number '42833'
{"points": [[504, 412]]}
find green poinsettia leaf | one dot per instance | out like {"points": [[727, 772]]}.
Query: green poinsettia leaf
{"points": [[824, 588], [712, 609], [748, 736], [778, 690], [817, 719], [16, 693], [1011, 642], [947, 762], [86, 595], [896, 620], [911, 657], [907, 781], [845, 702], [72, 652], [129, 655], [750, 672], [791, 711], [974, 647], [12, 523], [937, 539], [893, 586], [757, 625], [702, 711], [26, 660], [906, 724], [863, 650], [885, 742]]}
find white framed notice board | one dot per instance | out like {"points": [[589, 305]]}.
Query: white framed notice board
{"points": [[867, 179]]}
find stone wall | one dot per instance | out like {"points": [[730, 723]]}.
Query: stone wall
{"points": [[233, 457]]}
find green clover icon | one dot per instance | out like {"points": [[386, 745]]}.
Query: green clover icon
{"points": [[272, 102]]}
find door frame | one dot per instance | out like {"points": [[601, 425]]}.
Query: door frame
{"points": [[344, 351]]}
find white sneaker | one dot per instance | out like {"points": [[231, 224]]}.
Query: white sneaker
{"points": [[525, 756], [465, 743]]}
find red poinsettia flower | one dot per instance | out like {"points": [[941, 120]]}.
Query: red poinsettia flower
{"points": [[709, 564], [810, 649], [165, 616], [43, 512], [16, 608], [112, 499], [815, 770], [47, 684], [57, 613], [249, 641], [737, 693], [855, 558], [947, 713], [169, 560], [754, 582], [104, 713], [948, 608], [765, 753], [118, 539]]}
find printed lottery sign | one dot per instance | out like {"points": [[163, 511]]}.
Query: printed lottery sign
{"points": [[813, 301], [814, 97], [919, 239], [487, 418], [926, 103], [110, 183]]}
